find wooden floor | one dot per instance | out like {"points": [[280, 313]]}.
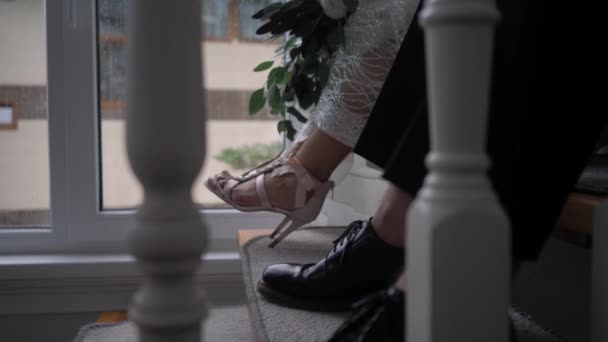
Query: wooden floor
{"points": [[577, 214]]}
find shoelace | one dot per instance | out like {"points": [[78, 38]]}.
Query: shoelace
{"points": [[346, 238]]}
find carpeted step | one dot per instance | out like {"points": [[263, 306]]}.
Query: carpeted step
{"points": [[225, 324], [273, 323]]}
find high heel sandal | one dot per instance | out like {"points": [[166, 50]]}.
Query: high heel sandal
{"points": [[305, 210]]}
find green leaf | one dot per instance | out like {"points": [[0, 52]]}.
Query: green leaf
{"points": [[257, 101], [278, 109], [293, 53], [289, 95], [323, 74], [288, 45], [336, 37], [309, 64], [311, 47], [304, 88], [297, 114], [263, 66], [286, 126], [276, 75], [291, 42], [281, 126], [286, 77], [274, 97], [271, 9], [270, 85], [306, 100]]}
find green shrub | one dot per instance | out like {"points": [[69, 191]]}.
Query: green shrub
{"points": [[249, 156]]}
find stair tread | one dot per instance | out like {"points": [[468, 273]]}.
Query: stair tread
{"points": [[275, 323], [245, 235], [577, 214], [112, 317], [272, 323]]}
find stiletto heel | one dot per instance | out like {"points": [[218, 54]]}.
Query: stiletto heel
{"points": [[293, 226], [285, 221], [306, 214]]}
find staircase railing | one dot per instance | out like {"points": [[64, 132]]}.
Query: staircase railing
{"points": [[458, 238], [166, 149]]}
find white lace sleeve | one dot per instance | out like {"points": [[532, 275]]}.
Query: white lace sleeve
{"points": [[373, 37]]}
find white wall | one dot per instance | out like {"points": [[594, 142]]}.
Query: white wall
{"points": [[22, 43], [230, 65], [24, 166]]}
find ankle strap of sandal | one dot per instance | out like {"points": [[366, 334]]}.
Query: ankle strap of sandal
{"points": [[305, 181]]}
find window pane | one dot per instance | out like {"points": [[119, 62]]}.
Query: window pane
{"points": [[236, 141], [24, 155], [248, 25], [215, 18]]}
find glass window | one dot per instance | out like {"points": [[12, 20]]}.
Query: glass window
{"points": [[216, 17], [24, 148], [112, 73], [236, 141], [248, 26], [111, 14]]}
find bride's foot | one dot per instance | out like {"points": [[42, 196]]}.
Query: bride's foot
{"points": [[282, 187], [280, 190], [218, 181]]}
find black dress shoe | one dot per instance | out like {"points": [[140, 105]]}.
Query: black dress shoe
{"points": [[377, 318], [380, 317], [359, 263]]}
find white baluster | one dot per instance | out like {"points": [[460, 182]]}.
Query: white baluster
{"points": [[599, 281], [458, 248], [166, 148]]}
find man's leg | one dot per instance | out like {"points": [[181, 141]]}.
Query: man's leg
{"points": [[389, 219]]}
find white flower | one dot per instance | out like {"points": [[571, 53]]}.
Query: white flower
{"points": [[334, 9]]}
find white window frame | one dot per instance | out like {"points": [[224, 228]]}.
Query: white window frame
{"points": [[77, 224]]}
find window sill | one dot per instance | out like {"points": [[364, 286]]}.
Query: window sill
{"points": [[78, 283]]}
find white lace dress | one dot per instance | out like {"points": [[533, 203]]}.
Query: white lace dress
{"points": [[374, 34]]}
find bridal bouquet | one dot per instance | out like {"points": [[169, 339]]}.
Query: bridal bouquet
{"points": [[315, 31]]}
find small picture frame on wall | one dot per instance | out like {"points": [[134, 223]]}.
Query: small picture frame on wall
{"points": [[8, 115]]}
